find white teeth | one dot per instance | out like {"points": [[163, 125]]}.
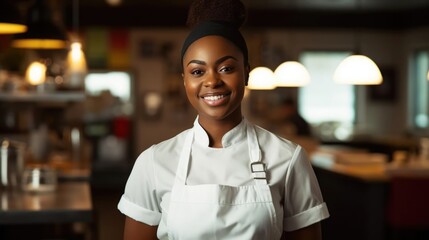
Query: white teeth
{"points": [[213, 98]]}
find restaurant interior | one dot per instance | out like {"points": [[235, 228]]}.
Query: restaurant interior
{"points": [[86, 86]]}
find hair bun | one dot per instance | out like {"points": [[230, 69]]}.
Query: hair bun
{"points": [[231, 11]]}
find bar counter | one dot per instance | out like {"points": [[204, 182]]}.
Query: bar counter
{"points": [[357, 194]]}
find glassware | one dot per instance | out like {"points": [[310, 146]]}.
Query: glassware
{"points": [[39, 179]]}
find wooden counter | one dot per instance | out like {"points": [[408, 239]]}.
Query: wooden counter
{"points": [[357, 196], [70, 202]]}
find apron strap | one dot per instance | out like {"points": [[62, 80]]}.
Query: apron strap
{"points": [[182, 167], [257, 167]]}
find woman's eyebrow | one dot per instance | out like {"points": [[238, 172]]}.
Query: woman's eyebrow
{"points": [[197, 62], [225, 58], [217, 61]]}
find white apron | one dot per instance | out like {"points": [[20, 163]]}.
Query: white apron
{"points": [[210, 211]]}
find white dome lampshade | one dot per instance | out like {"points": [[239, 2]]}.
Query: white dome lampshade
{"points": [[358, 70], [261, 78], [291, 74]]}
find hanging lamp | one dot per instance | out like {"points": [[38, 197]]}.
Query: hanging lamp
{"points": [[261, 78], [76, 58], [42, 32], [291, 74], [76, 62], [358, 70], [10, 19]]}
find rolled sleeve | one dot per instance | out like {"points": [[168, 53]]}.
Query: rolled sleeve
{"points": [[306, 218], [304, 203], [140, 200], [138, 213]]}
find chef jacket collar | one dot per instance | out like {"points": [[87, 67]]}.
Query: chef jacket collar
{"points": [[235, 135]]}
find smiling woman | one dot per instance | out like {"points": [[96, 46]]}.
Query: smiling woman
{"points": [[225, 178], [214, 74]]}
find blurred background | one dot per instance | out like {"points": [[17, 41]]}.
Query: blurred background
{"points": [[88, 85]]}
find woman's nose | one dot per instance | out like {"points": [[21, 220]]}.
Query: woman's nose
{"points": [[212, 80]]}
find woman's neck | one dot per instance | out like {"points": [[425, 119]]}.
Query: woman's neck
{"points": [[216, 129]]}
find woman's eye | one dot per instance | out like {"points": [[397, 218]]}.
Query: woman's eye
{"points": [[197, 72], [226, 69]]}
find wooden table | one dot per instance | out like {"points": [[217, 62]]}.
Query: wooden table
{"points": [[70, 202], [66, 213]]}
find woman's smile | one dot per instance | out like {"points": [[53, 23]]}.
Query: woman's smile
{"points": [[215, 100]]}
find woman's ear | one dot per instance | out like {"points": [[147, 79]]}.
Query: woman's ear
{"points": [[246, 74], [184, 83]]}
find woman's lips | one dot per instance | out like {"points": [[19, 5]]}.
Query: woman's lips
{"points": [[214, 100]]}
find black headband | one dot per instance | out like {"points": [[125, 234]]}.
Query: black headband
{"points": [[222, 29]]}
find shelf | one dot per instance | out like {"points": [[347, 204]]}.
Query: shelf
{"points": [[74, 96]]}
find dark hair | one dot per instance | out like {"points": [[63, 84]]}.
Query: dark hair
{"points": [[219, 18], [229, 11]]}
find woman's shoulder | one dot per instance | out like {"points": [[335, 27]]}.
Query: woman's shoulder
{"points": [[173, 142], [267, 137], [165, 149]]}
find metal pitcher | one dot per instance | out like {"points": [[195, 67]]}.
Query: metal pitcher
{"points": [[11, 163]]}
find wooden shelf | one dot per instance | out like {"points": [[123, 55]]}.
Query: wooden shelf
{"points": [[74, 96]]}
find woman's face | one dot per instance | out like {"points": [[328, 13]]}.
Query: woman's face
{"points": [[214, 76]]}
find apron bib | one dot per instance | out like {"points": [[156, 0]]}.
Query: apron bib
{"points": [[210, 211]]}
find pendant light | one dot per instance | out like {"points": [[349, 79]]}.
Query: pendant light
{"points": [[291, 74], [76, 62], [42, 32], [261, 78], [10, 19], [358, 69]]}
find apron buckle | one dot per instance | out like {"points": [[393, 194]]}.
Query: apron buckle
{"points": [[258, 170]]}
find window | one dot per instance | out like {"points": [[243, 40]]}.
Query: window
{"points": [[118, 83], [323, 101], [420, 91]]}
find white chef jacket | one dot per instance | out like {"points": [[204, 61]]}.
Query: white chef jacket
{"points": [[295, 191]]}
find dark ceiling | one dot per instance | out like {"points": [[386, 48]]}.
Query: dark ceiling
{"points": [[387, 14], [284, 4], [375, 14]]}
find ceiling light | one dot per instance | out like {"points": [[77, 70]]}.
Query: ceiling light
{"points": [[291, 74], [358, 70], [76, 58], [261, 78], [43, 32], [10, 19], [76, 62], [36, 73], [114, 2]]}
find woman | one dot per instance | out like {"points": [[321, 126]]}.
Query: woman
{"points": [[224, 178]]}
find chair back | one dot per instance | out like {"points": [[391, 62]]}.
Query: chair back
{"points": [[408, 202]]}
